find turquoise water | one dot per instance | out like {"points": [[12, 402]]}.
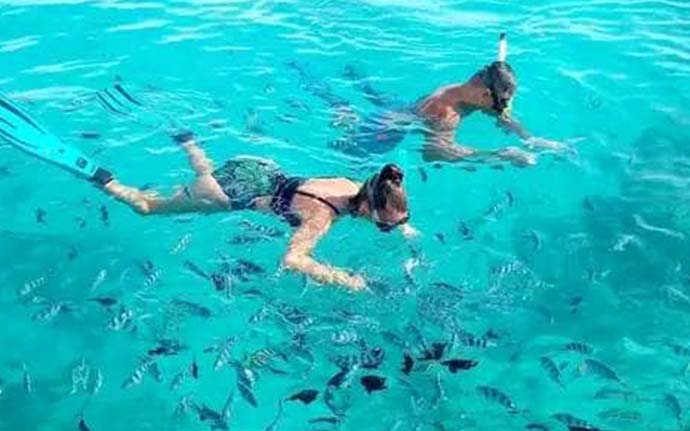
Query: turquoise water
{"points": [[593, 249]]}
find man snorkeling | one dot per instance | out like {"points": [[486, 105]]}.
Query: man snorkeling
{"points": [[489, 90], [311, 205]]}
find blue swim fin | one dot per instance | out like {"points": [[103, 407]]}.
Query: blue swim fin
{"points": [[20, 130]]}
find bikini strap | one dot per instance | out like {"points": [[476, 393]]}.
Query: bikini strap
{"points": [[320, 199]]}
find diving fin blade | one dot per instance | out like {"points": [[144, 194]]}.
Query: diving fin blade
{"points": [[18, 129]]}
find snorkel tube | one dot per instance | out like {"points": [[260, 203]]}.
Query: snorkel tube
{"points": [[499, 72], [502, 48]]}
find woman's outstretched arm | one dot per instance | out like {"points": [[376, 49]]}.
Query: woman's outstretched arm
{"points": [[298, 256]]}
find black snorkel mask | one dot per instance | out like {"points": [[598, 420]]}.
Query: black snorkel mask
{"points": [[377, 199]]}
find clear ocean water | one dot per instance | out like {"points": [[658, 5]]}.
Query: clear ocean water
{"points": [[513, 265]]}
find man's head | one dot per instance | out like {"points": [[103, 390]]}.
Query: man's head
{"points": [[499, 80], [383, 198]]}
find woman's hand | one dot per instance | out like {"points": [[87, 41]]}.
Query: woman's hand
{"points": [[352, 282]]}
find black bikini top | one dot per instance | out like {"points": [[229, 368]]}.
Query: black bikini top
{"points": [[282, 200]]}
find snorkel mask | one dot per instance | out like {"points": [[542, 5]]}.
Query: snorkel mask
{"points": [[376, 196], [499, 78]]}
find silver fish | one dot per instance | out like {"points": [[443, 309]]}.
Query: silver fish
{"points": [[440, 391], [182, 244], [260, 314], [469, 340], [495, 395], [121, 320], [50, 312], [100, 278], [572, 421], [620, 415], [183, 405], [578, 347], [152, 278], [224, 354], [245, 384], [178, 380], [30, 286], [607, 393], [138, 374], [155, 372], [344, 337], [227, 411], [508, 268], [80, 377], [97, 382], [600, 369], [551, 369], [27, 382]]}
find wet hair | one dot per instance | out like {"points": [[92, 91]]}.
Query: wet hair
{"points": [[383, 190], [498, 77], [497, 74]]}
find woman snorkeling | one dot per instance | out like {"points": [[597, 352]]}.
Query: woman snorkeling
{"points": [[311, 205]]}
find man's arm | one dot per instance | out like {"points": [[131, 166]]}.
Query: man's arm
{"points": [[298, 256], [511, 125]]}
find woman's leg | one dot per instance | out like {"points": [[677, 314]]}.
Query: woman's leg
{"points": [[203, 195]]}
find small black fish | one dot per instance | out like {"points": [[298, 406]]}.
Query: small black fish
{"points": [[41, 216], [221, 281], [408, 363], [454, 365], [166, 350], [680, 350], [104, 301], [72, 253], [81, 221], [434, 353], [306, 396], [440, 237], [537, 427], [194, 369], [373, 383], [582, 428], [465, 231], [422, 174], [195, 269], [338, 378], [83, 426], [105, 216], [575, 301], [85, 134]]}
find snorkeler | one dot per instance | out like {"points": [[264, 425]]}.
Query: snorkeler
{"points": [[309, 204], [489, 90]]}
